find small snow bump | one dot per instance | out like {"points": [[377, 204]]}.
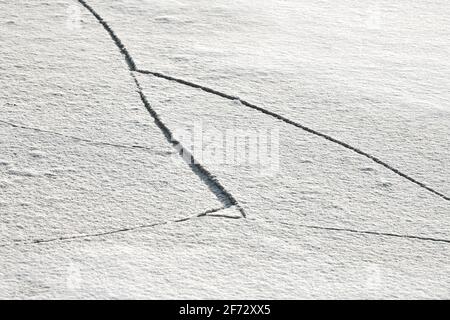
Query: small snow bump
{"points": [[165, 19], [50, 175], [4, 184], [386, 184], [61, 170], [173, 19], [37, 154], [23, 173]]}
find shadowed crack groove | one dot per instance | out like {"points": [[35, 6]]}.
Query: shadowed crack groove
{"points": [[94, 142], [129, 60], [213, 184], [298, 125], [211, 181], [115, 231], [200, 169], [386, 234]]}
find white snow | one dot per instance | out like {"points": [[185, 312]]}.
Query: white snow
{"points": [[373, 74], [96, 203]]}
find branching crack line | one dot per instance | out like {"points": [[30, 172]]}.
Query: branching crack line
{"points": [[386, 234], [94, 142], [116, 231], [128, 59], [298, 125], [210, 180], [205, 175]]}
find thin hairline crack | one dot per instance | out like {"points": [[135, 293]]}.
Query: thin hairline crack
{"points": [[208, 213], [88, 141]]}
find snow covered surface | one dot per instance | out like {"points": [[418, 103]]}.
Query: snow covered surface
{"points": [[96, 203], [372, 73]]}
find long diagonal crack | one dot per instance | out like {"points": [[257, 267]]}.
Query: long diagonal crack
{"points": [[132, 66], [298, 125], [93, 142], [212, 213], [209, 179]]}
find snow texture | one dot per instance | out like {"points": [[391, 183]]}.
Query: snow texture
{"points": [[104, 193]]}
